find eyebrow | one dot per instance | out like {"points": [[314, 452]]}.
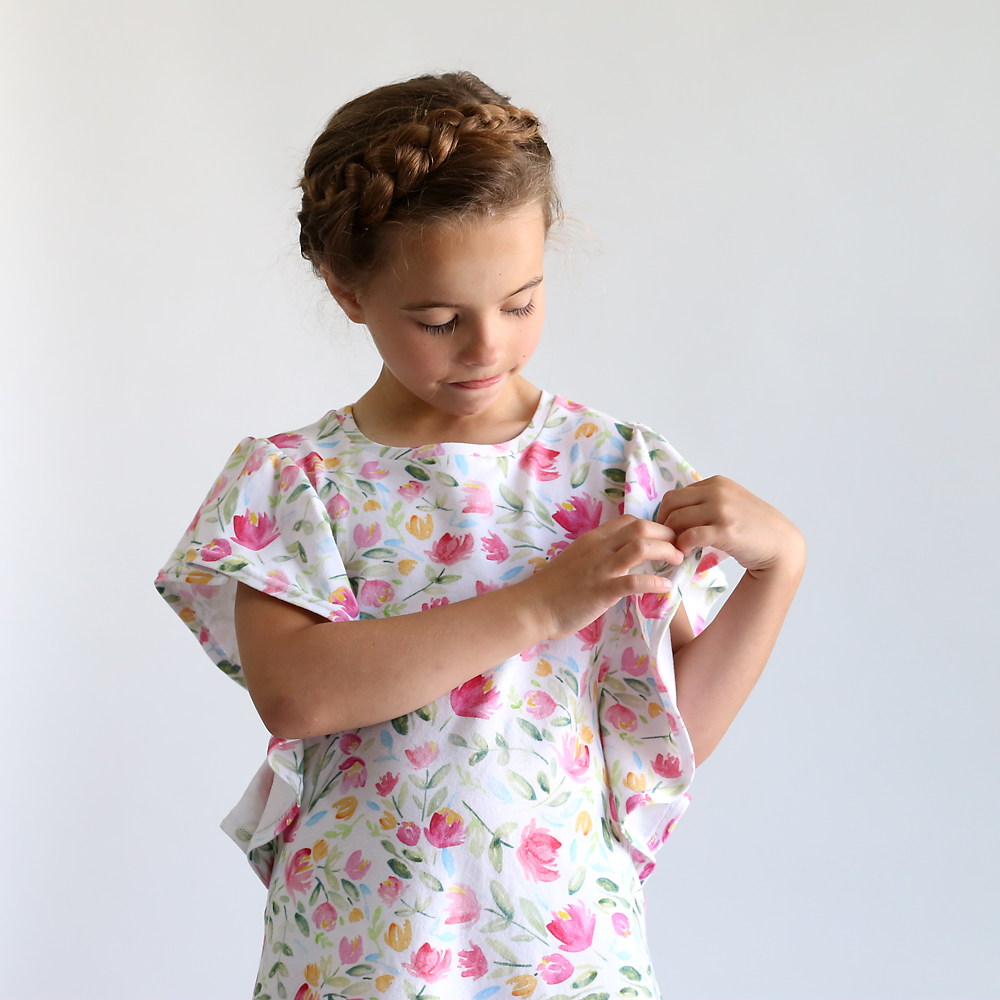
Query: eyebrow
{"points": [[449, 305]]}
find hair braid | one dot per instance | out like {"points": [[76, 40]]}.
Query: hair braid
{"points": [[415, 152]]}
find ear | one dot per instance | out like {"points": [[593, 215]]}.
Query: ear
{"points": [[346, 298]]}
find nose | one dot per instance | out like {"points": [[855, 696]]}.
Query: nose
{"points": [[482, 346]]}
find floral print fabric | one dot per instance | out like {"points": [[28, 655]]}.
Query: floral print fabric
{"points": [[493, 842]]}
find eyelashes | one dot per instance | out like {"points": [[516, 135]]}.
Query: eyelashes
{"points": [[449, 327]]}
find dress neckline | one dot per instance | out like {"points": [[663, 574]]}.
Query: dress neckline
{"points": [[538, 420]]}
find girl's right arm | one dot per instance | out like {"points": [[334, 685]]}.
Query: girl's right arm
{"points": [[309, 677]]}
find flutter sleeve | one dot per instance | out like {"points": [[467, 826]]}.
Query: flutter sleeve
{"points": [[262, 524], [647, 750]]}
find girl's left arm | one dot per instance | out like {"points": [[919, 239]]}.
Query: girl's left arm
{"points": [[716, 671]]}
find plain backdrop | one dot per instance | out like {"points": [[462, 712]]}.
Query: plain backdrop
{"points": [[790, 272]]}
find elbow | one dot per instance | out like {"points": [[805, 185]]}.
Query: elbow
{"points": [[291, 717]]}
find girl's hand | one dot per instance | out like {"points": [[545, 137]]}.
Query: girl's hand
{"points": [[592, 573], [719, 513]]}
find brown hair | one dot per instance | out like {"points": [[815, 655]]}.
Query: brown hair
{"points": [[422, 151]]}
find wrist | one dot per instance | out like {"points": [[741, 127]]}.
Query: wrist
{"points": [[788, 563]]}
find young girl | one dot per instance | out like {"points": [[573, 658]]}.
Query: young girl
{"points": [[464, 801]]}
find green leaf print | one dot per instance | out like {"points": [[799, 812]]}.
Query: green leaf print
{"points": [[626, 432], [543, 782], [607, 885], [431, 882], [541, 511], [615, 475], [478, 757], [401, 724], [585, 980], [361, 969], [445, 480], [531, 729], [233, 565], [418, 473], [558, 800], [297, 492], [580, 474], [614, 493], [521, 785], [511, 498], [380, 552], [478, 838], [302, 924], [504, 952], [399, 868], [577, 879], [495, 854], [456, 740], [351, 889], [411, 855], [630, 973], [532, 915], [229, 505]]}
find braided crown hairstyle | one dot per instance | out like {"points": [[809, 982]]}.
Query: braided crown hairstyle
{"points": [[429, 149]]}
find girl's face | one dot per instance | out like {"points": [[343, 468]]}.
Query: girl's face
{"points": [[456, 313]]}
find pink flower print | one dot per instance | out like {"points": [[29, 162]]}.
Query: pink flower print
{"points": [[463, 906], [646, 481], [477, 499], [277, 582], [539, 704], [306, 992], [350, 950], [620, 923], [669, 767], [602, 670], [374, 470], [324, 916], [255, 531], [672, 722], [555, 968], [385, 785], [536, 650], [647, 870], [632, 664], [573, 926], [423, 756], [554, 549], [473, 963], [436, 602], [634, 801], [450, 549], [310, 465], [484, 588], [376, 593], [290, 441], [698, 625], [706, 563], [276, 743], [629, 621], [355, 773], [216, 549], [537, 852], [428, 451], [412, 490], [580, 515], [344, 598], [566, 404], [390, 890], [446, 829], [428, 963], [653, 605], [621, 719], [220, 485], [494, 547], [288, 823], [357, 867], [536, 460], [298, 872], [476, 698], [349, 742], [288, 476], [408, 833], [590, 634], [338, 507], [574, 756], [254, 462], [366, 535]]}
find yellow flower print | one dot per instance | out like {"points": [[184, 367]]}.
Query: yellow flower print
{"points": [[637, 782], [406, 566], [372, 505], [355, 915], [398, 938], [586, 734], [586, 430], [382, 983], [331, 463], [655, 709], [544, 668], [345, 807], [524, 985], [584, 824], [187, 615], [388, 821], [198, 576], [420, 527], [312, 974], [320, 850], [539, 562]]}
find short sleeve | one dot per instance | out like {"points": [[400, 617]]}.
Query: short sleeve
{"points": [[648, 754], [262, 524]]}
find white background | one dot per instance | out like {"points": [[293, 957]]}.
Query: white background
{"points": [[793, 276]]}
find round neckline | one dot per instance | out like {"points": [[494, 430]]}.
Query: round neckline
{"points": [[546, 402]]}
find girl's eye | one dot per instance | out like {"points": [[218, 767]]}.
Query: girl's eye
{"points": [[448, 327], [525, 310]]}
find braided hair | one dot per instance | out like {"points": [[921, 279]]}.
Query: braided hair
{"points": [[418, 152]]}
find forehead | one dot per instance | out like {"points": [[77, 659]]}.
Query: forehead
{"points": [[469, 256]]}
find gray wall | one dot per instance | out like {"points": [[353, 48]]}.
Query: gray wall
{"points": [[793, 276]]}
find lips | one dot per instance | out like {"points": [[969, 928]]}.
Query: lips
{"points": [[479, 383]]}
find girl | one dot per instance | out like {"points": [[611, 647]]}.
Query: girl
{"points": [[464, 802]]}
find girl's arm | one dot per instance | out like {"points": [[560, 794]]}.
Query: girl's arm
{"points": [[716, 671], [308, 676]]}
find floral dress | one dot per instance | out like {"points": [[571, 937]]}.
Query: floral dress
{"points": [[493, 842]]}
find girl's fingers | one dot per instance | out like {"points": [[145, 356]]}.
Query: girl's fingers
{"points": [[683, 496], [699, 537]]}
